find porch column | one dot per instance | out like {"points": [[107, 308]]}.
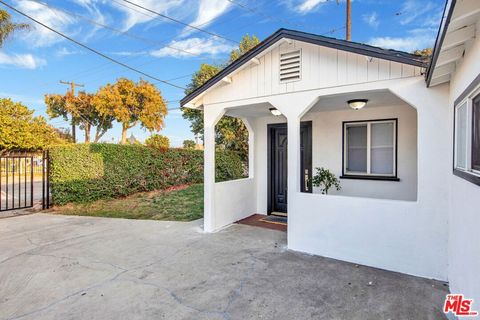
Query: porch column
{"points": [[251, 146], [293, 107], [211, 116]]}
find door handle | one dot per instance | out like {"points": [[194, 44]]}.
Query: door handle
{"points": [[306, 178]]}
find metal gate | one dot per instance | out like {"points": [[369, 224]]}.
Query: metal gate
{"points": [[24, 181]]}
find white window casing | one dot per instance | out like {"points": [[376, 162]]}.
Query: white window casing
{"points": [[461, 129], [463, 140]]}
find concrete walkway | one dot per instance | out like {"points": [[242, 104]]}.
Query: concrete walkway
{"points": [[58, 267]]}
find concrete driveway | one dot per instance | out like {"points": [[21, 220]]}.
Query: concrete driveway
{"points": [[59, 267]]}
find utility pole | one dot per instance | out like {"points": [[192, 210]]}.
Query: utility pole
{"points": [[72, 90], [348, 24], [349, 20]]}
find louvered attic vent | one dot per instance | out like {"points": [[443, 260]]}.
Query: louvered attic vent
{"points": [[290, 66]]}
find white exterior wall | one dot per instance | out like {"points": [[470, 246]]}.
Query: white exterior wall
{"points": [[234, 200], [327, 152], [464, 218], [404, 236], [327, 129]]}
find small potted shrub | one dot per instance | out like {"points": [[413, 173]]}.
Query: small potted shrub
{"points": [[325, 180]]}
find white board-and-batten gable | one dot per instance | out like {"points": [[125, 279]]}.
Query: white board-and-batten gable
{"points": [[283, 65]]}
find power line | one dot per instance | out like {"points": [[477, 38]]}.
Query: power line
{"points": [[91, 49], [178, 21], [125, 33], [333, 30], [265, 15], [128, 34], [100, 67]]}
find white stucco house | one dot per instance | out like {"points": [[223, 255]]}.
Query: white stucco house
{"points": [[408, 161]]}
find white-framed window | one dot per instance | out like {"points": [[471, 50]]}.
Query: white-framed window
{"points": [[370, 149], [467, 134]]}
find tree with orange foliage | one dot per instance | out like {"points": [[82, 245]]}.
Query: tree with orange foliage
{"points": [[132, 103]]}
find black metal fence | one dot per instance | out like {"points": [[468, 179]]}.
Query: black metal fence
{"points": [[24, 180], [46, 180]]}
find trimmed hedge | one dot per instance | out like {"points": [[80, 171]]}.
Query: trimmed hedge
{"points": [[89, 172]]}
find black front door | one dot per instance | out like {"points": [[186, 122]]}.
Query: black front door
{"points": [[278, 164], [279, 168]]}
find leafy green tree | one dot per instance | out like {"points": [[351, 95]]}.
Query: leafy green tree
{"points": [[158, 141], [81, 110], [132, 103], [195, 117], [20, 130], [231, 133], [246, 44], [189, 144], [7, 27]]}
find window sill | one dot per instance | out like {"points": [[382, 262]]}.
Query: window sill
{"points": [[378, 178], [471, 177]]}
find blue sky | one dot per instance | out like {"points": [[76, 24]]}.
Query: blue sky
{"points": [[32, 63]]}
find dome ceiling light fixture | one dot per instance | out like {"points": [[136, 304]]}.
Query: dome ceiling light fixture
{"points": [[275, 112], [357, 104]]}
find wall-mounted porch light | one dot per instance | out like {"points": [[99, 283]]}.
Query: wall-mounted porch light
{"points": [[357, 104], [275, 112]]}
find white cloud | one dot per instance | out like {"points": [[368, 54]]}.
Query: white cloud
{"points": [[129, 53], [93, 11], [208, 11], [414, 9], [309, 5], [85, 3], [24, 61], [196, 46], [303, 6], [40, 36], [416, 39], [64, 51], [371, 19], [135, 15], [202, 12]]}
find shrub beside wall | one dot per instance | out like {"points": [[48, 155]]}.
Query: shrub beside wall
{"points": [[229, 166], [89, 172]]}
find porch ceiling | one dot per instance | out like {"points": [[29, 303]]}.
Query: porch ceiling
{"points": [[250, 111], [380, 98]]}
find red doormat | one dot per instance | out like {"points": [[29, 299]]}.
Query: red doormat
{"points": [[263, 221]]}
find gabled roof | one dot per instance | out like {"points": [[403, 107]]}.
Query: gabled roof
{"points": [[355, 47]]}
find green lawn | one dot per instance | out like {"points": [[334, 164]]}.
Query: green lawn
{"points": [[184, 204]]}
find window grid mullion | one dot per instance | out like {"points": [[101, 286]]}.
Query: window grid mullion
{"points": [[394, 146], [369, 147], [468, 140]]}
